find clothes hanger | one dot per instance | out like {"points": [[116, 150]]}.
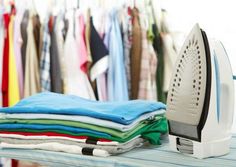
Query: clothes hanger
{"points": [[78, 3], [12, 7], [6, 7], [2, 8], [54, 8], [65, 6], [33, 7]]}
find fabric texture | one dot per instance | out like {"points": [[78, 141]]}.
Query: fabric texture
{"points": [[53, 146], [99, 67], [170, 57], [127, 43], [82, 54], [169, 51], [117, 81], [57, 128], [146, 156], [5, 65], [157, 45], [59, 31], [13, 84], [135, 54], [36, 32], [56, 136], [1, 54], [32, 79], [77, 82], [45, 78], [17, 49], [80, 125], [97, 47], [123, 147], [87, 38], [85, 119], [55, 69], [52, 103], [147, 82], [154, 128], [82, 45], [23, 28]]}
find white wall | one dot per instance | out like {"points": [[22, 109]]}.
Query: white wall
{"points": [[216, 18]]}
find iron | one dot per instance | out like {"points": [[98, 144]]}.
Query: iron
{"points": [[200, 102]]}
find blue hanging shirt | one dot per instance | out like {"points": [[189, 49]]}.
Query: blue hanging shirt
{"points": [[117, 80]]}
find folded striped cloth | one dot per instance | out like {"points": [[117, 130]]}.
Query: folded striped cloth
{"points": [[51, 121]]}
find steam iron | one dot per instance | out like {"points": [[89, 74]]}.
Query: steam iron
{"points": [[200, 102]]}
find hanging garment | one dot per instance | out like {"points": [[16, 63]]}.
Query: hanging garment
{"points": [[147, 82], [120, 148], [102, 79], [40, 41], [170, 56], [117, 81], [77, 82], [5, 65], [156, 13], [55, 69], [87, 38], [99, 20], [45, 78], [66, 27], [101, 83], [157, 45], [169, 51], [135, 54], [152, 95], [23, 28], [17, 49], [82, 46], [1, 53], [32, 81], [99, 67], [127, 43], [13, 84], [82, 52], [36, 31], [57, 147], [59, 31]]}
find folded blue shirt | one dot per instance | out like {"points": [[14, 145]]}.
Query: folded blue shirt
{"points": [[124, 112], [52, 127]]}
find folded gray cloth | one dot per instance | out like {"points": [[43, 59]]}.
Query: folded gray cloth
{"points": [[121, 148]]}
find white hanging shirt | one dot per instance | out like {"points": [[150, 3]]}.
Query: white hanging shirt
{"points": [[77, 82]]}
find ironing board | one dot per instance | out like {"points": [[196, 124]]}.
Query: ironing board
{"points": [[157, 156]]}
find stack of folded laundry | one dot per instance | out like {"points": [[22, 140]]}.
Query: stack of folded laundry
{"points": [[56, 122]]}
